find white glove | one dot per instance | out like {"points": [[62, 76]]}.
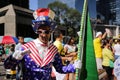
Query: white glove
{"points": [[77, 64], [19, 54]]}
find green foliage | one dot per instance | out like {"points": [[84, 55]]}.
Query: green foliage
{"points": [[66, 17]]}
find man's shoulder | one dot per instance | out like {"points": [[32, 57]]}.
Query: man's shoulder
{"points": [[57, 43], [96, 39], [29, 43], [18, 44]]}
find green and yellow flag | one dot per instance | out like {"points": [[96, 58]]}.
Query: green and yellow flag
{"points": [[86, 49]]}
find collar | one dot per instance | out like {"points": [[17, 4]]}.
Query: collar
{"points": [[38, 42]]}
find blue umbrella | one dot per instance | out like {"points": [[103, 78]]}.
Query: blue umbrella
{"points": [[28, 39], [15, 39]]}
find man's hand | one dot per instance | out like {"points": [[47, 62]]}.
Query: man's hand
{"points": [[77, 64], [19, 54]]}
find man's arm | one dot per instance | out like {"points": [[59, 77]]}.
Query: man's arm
{"points": [[104, 35], [60, 67], [14, 59]]}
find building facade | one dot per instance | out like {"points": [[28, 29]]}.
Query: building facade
{"points": [[110, 10], [20, 3], [117, 9], [16, 21], [16, 18]]}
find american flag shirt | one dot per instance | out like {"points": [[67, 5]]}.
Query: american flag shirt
{"points": [[38, 64]]}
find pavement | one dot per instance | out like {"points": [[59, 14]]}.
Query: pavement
{"points": [[3, 72]]}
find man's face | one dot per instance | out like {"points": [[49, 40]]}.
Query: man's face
{"points": [[61, 36], [44, 34], [100, 36]]}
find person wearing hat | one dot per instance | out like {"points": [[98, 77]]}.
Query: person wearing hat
{"points": [[98, 50], [40, 55], [98, 53]]}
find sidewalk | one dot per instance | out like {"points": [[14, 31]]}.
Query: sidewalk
{"points": [[3, 73]]}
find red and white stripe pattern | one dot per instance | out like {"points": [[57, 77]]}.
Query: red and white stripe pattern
{"points": [[52, 50]]}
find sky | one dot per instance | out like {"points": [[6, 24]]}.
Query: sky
{"points": [[92, 10], [33, 4], [91, 6]]}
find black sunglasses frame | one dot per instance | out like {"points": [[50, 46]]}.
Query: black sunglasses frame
{"points": [[43, 31]]}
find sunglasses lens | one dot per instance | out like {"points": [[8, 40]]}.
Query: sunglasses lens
{"points": [[47, 32], [43, 31]]}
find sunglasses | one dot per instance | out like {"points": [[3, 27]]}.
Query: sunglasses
{"points": [[43, 31]]}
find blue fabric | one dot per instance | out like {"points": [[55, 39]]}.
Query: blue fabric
{"points": [[35, 72], [15, 39]]}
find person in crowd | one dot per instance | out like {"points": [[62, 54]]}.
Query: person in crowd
{"points": [[58, 43], [70, 48], [11, 73], [98, 50], [70, 51], [7, 49], [20, 43], [12, 49], [116, 49], [2, 51], [111, 43], [20, 65], [116, 70], [107, 57], [39, 55]]}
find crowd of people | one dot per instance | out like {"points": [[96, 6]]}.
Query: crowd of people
{"points": [[5, 51], [107, 51], [67, 51], [41, 59]]}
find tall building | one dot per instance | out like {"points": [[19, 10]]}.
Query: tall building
{"points": [[16, 18], [110, 10], [118, 11], [20, 3]]}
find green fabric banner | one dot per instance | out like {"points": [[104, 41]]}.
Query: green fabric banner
{"points": [[90, 55], [89, 68], [85, 49]]}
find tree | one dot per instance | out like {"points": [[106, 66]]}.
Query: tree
{"points": [[66, 17]]}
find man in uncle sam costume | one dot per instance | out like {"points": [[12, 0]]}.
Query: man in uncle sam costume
{"points": [[40, 55]]}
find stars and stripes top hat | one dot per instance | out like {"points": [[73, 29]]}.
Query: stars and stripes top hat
{"points": [[43, 16]]}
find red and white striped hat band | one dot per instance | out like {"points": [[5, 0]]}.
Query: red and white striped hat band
{"points": [[43, 12]]}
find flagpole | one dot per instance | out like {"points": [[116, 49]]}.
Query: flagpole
{"points": [[81, 35]]}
